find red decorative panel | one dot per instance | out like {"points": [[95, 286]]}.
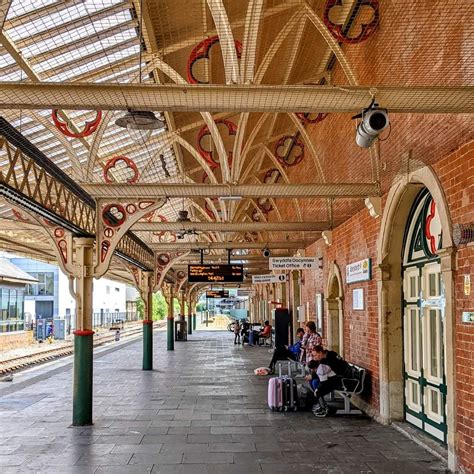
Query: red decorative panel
{"points": [[366, 29], [200, 52], [89, 127], [112, 163], [207, 155]]}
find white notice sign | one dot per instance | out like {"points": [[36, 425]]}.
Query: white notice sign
{"points": [[358, 271], [293, 263], [261, 279]]}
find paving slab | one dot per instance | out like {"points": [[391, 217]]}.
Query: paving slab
{"points": [[200, 411]]}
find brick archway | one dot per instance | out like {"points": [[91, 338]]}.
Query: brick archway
{"points": [[335, 315], [396, 211]]}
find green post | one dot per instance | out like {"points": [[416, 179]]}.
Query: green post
{"points": [[82, 388], [194, 321], [170, 334], [147, 344], [83, 335], [190, 317]]}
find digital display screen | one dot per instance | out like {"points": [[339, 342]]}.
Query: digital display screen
{"points": [[215, 273], [217, 294]]}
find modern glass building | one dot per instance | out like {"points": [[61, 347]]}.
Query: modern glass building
{"points": [[12, 296]]}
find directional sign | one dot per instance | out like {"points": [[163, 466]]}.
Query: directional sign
{"points": [[261, 279], [215, 273], [217, 294], [293, 263]]}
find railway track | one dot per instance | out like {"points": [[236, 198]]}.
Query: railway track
{"points": [[19, 363]]}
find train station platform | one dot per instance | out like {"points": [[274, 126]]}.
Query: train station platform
{"points": [[201, 410]]}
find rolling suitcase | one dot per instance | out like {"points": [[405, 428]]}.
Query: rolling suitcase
{"points": [[275, 393], [250, 337], [290, 394], [282, 394]]}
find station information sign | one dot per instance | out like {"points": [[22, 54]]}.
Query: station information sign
{"points": [[217, 294], [215, 273]]}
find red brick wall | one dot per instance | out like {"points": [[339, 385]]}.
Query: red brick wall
{"points": [[457, 178], [355, 240]]}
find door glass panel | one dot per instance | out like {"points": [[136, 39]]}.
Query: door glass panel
{"points": [[414, 394], [432, 284], [434, 402], [413, 287], [414, 339], [433, 341]]}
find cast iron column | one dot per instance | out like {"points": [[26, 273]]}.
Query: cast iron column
{"points": [[190, 317], [83, 335], [170, 322], [148, 322]]}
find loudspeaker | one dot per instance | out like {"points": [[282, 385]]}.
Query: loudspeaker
{"points": [[282, 326]]}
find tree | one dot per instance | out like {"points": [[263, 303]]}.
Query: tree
{"points": [[160, 308]]}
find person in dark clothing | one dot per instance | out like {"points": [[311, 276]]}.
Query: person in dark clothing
{"points": [[340, 369], [287, 352]]}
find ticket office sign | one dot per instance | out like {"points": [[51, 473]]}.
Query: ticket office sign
{"points": [[215, 273], [359, 271], [217, 294], [293, 263], [262, 279]]}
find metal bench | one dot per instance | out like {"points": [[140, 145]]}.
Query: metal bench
{"points": [[353, 385]]}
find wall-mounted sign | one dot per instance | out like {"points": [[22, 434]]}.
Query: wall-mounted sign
{"points": [[359, 271], [468, 317], [270, 278], [215, 273], [246, 292], [358, 298], [217, 294], [293, 263], [467, 285]]}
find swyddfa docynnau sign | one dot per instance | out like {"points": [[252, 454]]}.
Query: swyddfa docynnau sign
{"points": [[293, 263], [261, 279], [359, 271]]}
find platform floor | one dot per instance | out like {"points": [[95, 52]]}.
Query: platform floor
{"points": [[200, 411]]}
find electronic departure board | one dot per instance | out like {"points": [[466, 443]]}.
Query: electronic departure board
{"points": [[217, 294], [215, 273]]}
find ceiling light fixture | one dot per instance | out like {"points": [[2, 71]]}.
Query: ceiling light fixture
{"points": [[140, 123]]}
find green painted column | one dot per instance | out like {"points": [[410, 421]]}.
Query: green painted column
{"points": [[147, 292], [147, 344], [83, 335], [82, 388], [190, 318], [170, 322], [194, 321], [170, 334]]}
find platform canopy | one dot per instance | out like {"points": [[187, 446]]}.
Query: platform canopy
{"points": [[256, 99]]}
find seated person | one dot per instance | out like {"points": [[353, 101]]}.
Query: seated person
{"points": [[339, 367], [265, 333], [287, 352], [311, 339], [318, 373]]}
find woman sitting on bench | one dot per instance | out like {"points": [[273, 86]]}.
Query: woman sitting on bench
{"points": [[340, 369]]}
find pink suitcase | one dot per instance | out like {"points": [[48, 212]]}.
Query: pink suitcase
{"points": [[275, 393]]}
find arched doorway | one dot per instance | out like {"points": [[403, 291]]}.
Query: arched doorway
{"points": [[335, 318], [423, 320], [392, 340]]}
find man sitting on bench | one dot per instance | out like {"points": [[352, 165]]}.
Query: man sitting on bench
{"points": [[340, 369], [287, 352]]}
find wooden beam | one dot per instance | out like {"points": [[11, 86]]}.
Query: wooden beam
{"points": [[235, 98]]}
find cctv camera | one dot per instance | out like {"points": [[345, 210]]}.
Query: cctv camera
{"points": [[374, 121], [266, 252]]}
